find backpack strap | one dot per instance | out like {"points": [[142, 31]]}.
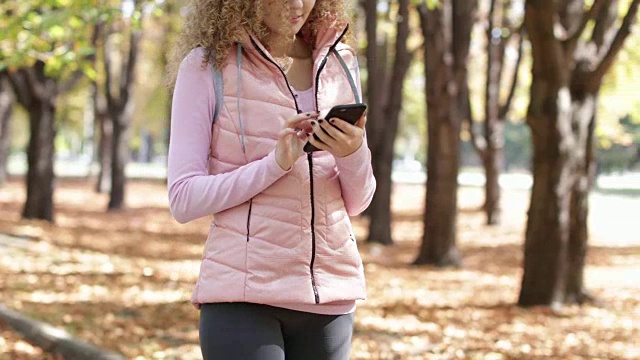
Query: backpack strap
{"points": [[218, 87], [354, 88]]}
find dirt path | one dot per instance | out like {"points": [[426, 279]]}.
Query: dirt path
{"points": [[122, 281]]}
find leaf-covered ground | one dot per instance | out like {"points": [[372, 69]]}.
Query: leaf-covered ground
{"points": [[122, 281]]}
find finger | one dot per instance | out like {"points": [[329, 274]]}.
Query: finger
{"points": [[362, 121], [332, 131], [318, 144], [344, 126], [300, 118], [321, 134], [286, 132], [302, 135]]}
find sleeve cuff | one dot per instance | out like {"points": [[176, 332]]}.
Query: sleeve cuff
{"points": [[355, 159], [274, 168]]}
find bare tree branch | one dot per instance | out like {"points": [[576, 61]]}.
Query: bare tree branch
{"points": [[603, 30], [478, 140], [106, 51], [20, 87], [504, 109], [571, 42], [132, 59], [491, 56], [617, 43], [127, 76], [37, 85]]}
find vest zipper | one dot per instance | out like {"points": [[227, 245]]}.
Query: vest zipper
{"points": [[313, 231], [309, 155], [310, 158], [249, 218]]}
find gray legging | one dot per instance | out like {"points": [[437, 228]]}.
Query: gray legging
{"points": [[245, 331]]}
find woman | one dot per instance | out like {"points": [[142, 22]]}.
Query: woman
{"points": [[281, 272]]}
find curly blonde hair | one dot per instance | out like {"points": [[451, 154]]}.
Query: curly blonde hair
{"points": [[216, 25]]}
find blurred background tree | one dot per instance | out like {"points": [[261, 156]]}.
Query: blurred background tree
{"points": [[7, 103], [446, 28], [504, 39], [47, 49], [573, 47], [387, 71], [120, 70]]}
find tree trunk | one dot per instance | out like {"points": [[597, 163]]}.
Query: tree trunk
{"points": [[170, 29], [443, 158], [635, 160], [168, 118], [493, 165], [377, 78], [105, 140], [120, 110], [88, 133], [549, 116], [40, 155], [575, 291], [493, 158], [447, 34], [373, 80], [119, 160], [490, 144], [38, 93], [561, 114], [380, 214], [7, 102], [103, 183], [547, 232]]}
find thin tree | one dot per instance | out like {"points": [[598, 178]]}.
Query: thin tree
{"points": [[104, 125], [573, 48], [447, 33], [118, 92], [39, 74], [489, 144], [386, 125], [7, 102], [170, 28]]}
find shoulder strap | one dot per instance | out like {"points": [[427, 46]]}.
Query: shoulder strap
{"points": [[354, 88], [218, 87]]}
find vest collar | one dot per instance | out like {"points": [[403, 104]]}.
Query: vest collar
{"points": [[327, 37]]}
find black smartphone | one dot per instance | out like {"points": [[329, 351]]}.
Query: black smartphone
{"points": [[350, 113]]}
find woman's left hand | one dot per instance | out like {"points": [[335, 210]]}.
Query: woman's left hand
{"points": [[337, 136]]}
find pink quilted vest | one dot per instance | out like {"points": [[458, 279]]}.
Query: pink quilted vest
{"points": [[293, 243]]}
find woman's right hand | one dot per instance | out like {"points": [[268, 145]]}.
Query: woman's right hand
{"points": [[293, 137]]}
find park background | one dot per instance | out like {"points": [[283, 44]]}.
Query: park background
{"points": [[509, 257]]}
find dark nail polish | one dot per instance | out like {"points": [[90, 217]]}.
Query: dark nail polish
{"points": [[320, 121], [332, 120], [313, 123]]}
